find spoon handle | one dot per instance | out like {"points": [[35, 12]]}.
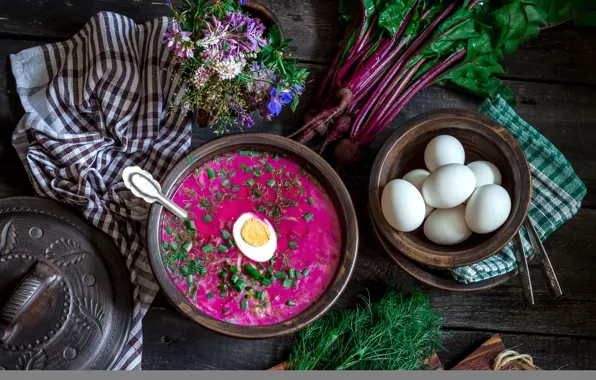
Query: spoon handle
{"points": [[545, 264], [524, 270], [173, 207]]}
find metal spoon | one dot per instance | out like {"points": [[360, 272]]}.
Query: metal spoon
{"points": [[545, 264], [524, 271], [143, 185]]}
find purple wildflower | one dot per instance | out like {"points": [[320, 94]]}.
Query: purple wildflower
{"points": [[178, 41], [261, 77], [242, 2], [278, 99], [244, 117]]}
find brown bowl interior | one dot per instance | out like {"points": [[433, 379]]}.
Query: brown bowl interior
{"points": [[320, 170], [483, 139]]}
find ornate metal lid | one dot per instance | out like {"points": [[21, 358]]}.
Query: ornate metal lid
{"points": [[65, 294]]}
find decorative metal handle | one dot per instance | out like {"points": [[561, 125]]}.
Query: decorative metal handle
{"points": [[545, 264], [524, 271], [25, 294]]}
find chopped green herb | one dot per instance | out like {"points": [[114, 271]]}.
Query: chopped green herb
{"points": [[260, 295], [235, 188], [308, 216], [225, 182], [266, 282], [244, 153], [291, 303], [310, 201], [173, 246], [210, 295], [229, 224], [222, 248], [270, 269], [223, 293], [204, 203], [244, 304], [225, 234], [258, 172], [221, 173], [272, 261], [169, 231], [245, 168], [250, 182], [271, 182], [280, 274], [230, 243], [248, 288], [239, 285], [231, 173], [234, 278], [276, 157], [305, 272], [291, 273], [247, 295], [257, 192], [292, 245], [187, 246], [260, 266], [297, 275], [287, 283], [207, 248], [207, 218], [223, 273], [253, 271], [210, 173], [190, 225], [234, 269], [222, 287], [268, 168]]}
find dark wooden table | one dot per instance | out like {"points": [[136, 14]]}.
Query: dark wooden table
{"points": [[555, 82]]}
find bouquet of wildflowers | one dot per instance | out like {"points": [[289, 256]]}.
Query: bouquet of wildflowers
{"points": [[233, 65]]}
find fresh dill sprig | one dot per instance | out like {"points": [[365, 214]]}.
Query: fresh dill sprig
{"points": [[396, 333]]}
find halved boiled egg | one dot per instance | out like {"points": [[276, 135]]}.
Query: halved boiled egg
{"points": [[255, 237]]}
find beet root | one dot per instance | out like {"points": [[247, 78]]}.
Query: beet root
{"points": [[339, 128], [327, 114], [347, 152]]}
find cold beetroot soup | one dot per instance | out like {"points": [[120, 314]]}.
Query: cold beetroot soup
{"points": [[261, 243]]}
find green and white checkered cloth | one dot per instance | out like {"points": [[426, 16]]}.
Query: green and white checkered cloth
{"points": [[556, 198]]}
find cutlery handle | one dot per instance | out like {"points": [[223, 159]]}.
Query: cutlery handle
{"points": [[524, 271], [545, 264], [173, 207]]}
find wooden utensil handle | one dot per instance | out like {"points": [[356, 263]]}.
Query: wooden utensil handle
{"points": [[545, 264]]}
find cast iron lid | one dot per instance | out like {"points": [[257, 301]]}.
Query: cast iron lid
{"points": [[65, 295]]}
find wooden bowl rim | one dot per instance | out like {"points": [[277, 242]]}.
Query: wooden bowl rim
{"points": [[319, 168], [474, 254], [431, 279]]}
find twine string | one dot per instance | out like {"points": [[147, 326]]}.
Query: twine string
{"points": [[510, 359]]}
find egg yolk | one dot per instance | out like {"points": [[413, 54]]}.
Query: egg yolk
{"points": [[255, 232]]}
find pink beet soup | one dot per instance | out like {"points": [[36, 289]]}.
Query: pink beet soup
{"points": [[203, 260]]}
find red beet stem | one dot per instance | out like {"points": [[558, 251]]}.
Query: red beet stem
{"points": [[321, 91], [381, 121]]}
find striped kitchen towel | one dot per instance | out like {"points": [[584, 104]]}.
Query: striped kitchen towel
{"points": [[95, 104], [556, 197]]}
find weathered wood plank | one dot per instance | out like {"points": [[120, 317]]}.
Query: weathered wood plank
{"points": [[172, 341], [555, 55], [550, 353]]}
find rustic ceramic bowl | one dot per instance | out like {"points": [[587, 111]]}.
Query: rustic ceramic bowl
{"points": [[320, 170], [483, 139]]}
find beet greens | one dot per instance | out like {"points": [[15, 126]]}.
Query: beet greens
{"points": [[392, 49]]}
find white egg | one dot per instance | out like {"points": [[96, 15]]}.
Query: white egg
{"points": [[417, 177], [443, 150], [402, 205], [485, 173], [447, 226], [488, 208], [448, 186], [255, 237]]}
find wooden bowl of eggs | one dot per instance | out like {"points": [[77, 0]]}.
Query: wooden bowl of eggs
{"points": [[450, 188]]}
